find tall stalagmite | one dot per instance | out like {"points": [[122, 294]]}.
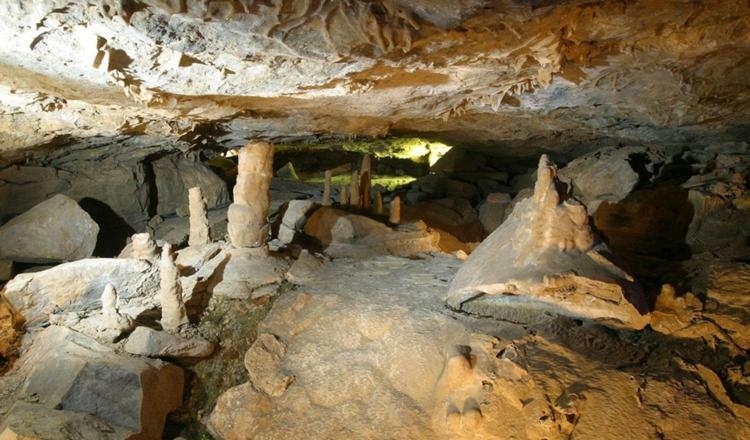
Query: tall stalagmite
{"points": [[199, 232], [248, 215], [327, 189], [173, 313], [354, 195], [395, 212]]}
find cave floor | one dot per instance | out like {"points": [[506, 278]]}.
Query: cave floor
{"points": [[368, 350]]}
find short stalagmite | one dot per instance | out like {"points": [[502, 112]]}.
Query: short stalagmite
{"points": [[395, 211], [378, 203], [112, 320], [144, 247], [344, 195], [199, 231], [248, 215], [173, 313], [327, 189], [354, 196]]}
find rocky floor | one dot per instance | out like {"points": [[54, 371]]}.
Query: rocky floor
{"points": [[368, 350]]}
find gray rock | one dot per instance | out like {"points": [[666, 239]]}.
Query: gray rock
{"points": [[294, 219], [493, 211], [304, 269], [6, 270], [246, 272], [175, 175], [36, 295], [54, 230], [33, 421], [68, 371], [145, 341], [263, 363]]}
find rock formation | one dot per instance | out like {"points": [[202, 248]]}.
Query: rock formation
{"points": [[54, 230], [546, 258], [294, 219], [173, 313], [343, 196], [248, 222], [199, 231], [354, 195], [145, 341], [378, 203], [113, 323], [365, 182], [327, 189], [394, 213], [143, 247]]}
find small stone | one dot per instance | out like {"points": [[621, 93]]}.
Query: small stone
{"points": [[145, 341]]}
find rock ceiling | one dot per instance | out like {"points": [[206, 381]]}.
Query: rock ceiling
{"points": [[514, 76]]}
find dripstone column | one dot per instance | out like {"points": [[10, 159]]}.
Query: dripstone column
{"points": [[199, 232], [248, 215]]}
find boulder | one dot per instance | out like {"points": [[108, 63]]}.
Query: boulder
{"points": [[294, 219], [545, 259], [69, 372], [30, 421], [249, 273], [10, 324], [263, 363], [440, 186], [145, 341], [36, 295], [493, 211], [453, 215], [54, 230], [610, 174], [174, 175]]}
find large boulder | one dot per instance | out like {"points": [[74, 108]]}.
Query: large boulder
{"points": [[78, 286], [145, 341], [54, 230], [174, 175], [248, 273], [10, 323], [453, 215], [610, 174], [545, 258], [69, 375]]}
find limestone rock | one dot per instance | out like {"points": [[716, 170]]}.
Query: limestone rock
{"points": [[10, 326], [545, 258], [54, 230], [438, 186], [29, 421], [143, 247], [67, 371], [294, 219], [249, 273], [174, 175], [6, 270], [199, 230], [493, 211], [453, 215], [248, 214], [173, 312], [113, 322], [36, 295], [263, 362], [304, 269], [145, 341], [610, 174]]}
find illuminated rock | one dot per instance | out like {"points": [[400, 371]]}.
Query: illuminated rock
{"points": [[248, 215]]}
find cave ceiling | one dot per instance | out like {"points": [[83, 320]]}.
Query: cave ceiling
{"points": [[514, 77]]}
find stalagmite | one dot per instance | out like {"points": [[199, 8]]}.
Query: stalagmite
{"points": [[248, 215], [327, 189], [378, 203], [144, 247], [365, 187], [344, 195], [199, 232], [366, 166], [354, 191], [111, 317], [395, 213], [173, 313]]}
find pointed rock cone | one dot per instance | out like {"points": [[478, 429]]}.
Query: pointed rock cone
{"points": [[545, 259], [327, 189], [173, 313], [394, 215], [199, 231]]}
